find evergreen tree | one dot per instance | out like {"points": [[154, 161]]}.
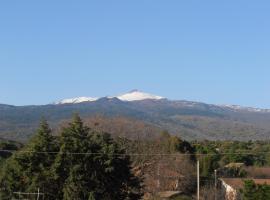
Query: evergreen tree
{"points": [[88, 166], [81, 165], [29, 169]]}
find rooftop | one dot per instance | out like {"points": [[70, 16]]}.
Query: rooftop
{"points": [[238, 183]]}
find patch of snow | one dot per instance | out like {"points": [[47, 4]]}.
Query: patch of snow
{"points": [[76, 100], [249, 109], [189, 103], [136, 95]]}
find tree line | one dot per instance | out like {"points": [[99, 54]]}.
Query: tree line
{"points": [[80, 164]]}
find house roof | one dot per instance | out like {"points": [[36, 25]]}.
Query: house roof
{"points": [[235, 165], [238, 183]]}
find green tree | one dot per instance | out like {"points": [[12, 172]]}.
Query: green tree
{"points": [[29, 169], [81, 164], [96, 170], [253, 191]]}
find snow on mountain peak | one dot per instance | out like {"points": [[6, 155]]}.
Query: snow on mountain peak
{"points": [[136, 95], [242, 108], [76, 100]]}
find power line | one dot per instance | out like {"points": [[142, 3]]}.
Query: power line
{"points": [[135, 154]]}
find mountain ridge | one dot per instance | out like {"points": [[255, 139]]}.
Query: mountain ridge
{"points": [[133, 95], [187, 119], [137, 95]]}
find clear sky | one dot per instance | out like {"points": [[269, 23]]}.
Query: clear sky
{"points": [[211, 51]]}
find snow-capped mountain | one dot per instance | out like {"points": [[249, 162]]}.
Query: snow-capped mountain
{"points": [[188, 119], [134, 95], [76, 100], [137, 95], [243, 108]]}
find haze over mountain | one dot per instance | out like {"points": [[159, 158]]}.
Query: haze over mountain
{"points": [[187, 119]]}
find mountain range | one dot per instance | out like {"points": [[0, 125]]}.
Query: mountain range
{"points": [[134, 95], [187, 119]]}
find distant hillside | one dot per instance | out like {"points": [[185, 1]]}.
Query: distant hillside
{"points": [[122, 127], [189, 120]]}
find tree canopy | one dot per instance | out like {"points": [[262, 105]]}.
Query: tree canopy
{"points": [[80, 164], [254, 191]]}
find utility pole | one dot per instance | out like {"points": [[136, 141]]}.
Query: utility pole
{"points": [[198, 180], [158, 173], [38, 194], [215, 184]]}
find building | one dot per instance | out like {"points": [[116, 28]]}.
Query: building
{"points": [[232, 186], [235, 165]]}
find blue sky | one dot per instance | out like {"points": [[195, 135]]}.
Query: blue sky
{"points": [[210, 51]]}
